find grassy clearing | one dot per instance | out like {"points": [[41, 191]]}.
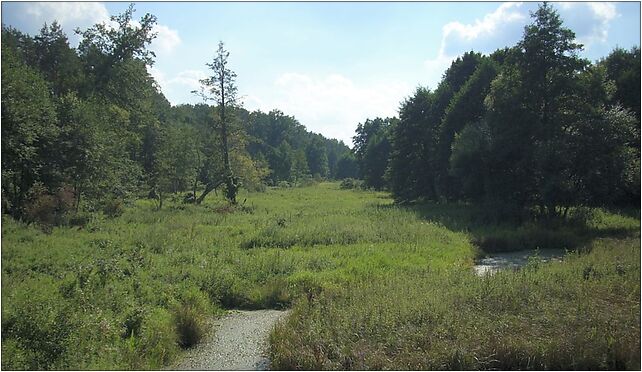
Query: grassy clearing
{"points": [[372, 285], [105, 296]]}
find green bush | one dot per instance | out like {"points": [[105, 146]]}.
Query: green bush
{"points": [[189, 317], [351, 183], [48, 209], [113, 207]]}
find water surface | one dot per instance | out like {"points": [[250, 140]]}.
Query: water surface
{"points": [[514, 260]]}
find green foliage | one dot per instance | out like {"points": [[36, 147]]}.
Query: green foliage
{"points": [[347, 166], [29, 129], [623, 68], [317, 158], [351, 183], [534, 129], [292, 153], [372, 149]]}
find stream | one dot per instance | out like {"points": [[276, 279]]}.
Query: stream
{"points": [[514, 260]]}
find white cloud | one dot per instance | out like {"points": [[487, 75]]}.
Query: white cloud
{"points": [[331, 104], [30, 16], [590, 21], [500, 28], [166, 39], [504, 27], [177, 89], [68, 14], [72, 15], [491, 24]]}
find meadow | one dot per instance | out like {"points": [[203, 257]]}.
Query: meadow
{"points": [[372, 285]]}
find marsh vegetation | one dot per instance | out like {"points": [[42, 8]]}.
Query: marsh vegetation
{"points": [[129, 223]]}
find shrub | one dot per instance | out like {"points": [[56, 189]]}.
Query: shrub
{"points": [[226, 289], [79, 219], [132, 321], [48, 209], [113, 207], [351, 183], [189, 317]]}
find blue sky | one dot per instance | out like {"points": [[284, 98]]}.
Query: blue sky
{"points": [[331, 65]]}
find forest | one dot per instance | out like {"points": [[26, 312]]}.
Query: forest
{"points": [[88, 129], [530, 130], [129, 224]]}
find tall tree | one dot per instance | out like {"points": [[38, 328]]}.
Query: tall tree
{"points": [[372, 149], [529, 106], [465, 108], [57, 60], [29, 128], [221, 88], [623, 68], [317, 158]]}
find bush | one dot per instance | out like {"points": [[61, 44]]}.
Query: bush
{"points": [[114, 207], [273, 295], [189, 317], [351, 183], [226, 289], [79, 219], [48, 209]]}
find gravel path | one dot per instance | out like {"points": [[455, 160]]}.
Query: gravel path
{"points": [[238, 341]]}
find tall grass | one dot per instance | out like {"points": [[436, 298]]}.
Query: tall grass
{"points": [[580, 314], [363, 276], [104, 296]]}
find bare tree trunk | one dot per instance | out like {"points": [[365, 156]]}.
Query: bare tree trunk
{"points": [[194, 190], [231, 186], [208, 188]]}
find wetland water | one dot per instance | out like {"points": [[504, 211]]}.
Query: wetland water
{"points": [[513, 260]]}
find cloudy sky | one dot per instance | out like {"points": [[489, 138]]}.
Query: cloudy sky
{"points": [[331, 65]]}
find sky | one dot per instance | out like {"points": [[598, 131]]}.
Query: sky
{"points": [[331, 65]]}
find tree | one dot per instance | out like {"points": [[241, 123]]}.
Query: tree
{"points": [[469, 161], [221, 88], [317, 158], [29, 129], [410, 173], [372, 150], [623, 68], [104, 48], [465, 108], [57, 60], [530, 106], [347, 167], [300, 169]]}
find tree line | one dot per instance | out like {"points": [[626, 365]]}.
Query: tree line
{"points": [[531, 129], [87, 128]]}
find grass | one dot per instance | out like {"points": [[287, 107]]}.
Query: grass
{"points": [[552, 316], [371, 284]]}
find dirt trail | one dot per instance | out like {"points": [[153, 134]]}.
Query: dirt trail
{"points": [[238, 341]]}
